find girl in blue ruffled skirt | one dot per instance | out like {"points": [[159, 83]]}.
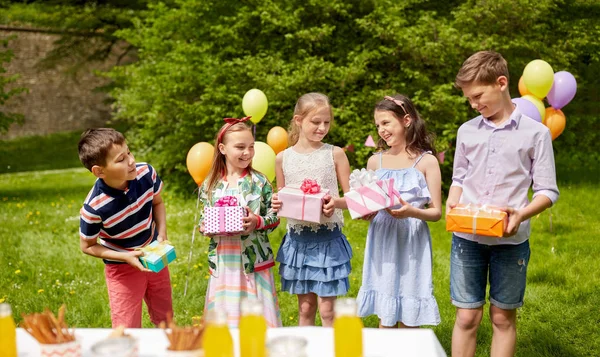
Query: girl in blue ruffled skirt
{"points": [[314, 259]]}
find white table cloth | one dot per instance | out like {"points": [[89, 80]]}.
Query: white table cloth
{"points": [[376, 342]]}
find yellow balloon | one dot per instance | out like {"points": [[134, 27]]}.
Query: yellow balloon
{"points": [[199, 160], [538, 104], [264, 159], [538, 77], [255, 104], [277, 138]]}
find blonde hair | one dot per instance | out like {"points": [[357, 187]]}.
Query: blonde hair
{"points": [[306, 104], [219, 167], [484, 67]]}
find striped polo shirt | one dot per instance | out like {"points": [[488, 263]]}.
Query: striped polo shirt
{"points": [[122, 219]]}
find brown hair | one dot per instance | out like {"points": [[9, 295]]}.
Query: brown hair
{"points": [[484, 67], [418, 139], [219, 167], [306, 105], [95, 144]]}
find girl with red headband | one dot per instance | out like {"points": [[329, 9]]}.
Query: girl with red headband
{"points": [[314, 257], [240, 266]]}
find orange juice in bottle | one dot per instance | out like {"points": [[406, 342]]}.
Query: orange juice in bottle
{"points": [[217, 340], [8, 332], [253, 329], [347, 329]]}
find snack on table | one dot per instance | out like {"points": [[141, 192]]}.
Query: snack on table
{"points": [[187, 338], [48, 329]]}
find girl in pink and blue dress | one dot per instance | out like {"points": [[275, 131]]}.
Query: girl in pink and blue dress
{"points": [[240, 266], [314, 257], [397, 271]]}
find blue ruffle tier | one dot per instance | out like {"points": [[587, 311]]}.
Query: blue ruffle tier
{"points": [[412, 311], [317, 262]]}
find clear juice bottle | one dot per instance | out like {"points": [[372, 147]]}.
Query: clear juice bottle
{"points": [[347, 329], [8, 332], [217, 341], [253, 329]]}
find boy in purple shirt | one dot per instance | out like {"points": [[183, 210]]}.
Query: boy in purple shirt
{"points": [[499, 154]]}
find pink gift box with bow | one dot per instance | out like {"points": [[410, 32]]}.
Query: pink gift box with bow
{"points": [[224, 218], [303, 202]]}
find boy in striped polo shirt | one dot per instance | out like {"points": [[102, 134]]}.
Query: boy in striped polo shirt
{"points": [[125, 211]]}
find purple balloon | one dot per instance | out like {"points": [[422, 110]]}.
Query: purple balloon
{"points": [[563, 89], [528, 108]]}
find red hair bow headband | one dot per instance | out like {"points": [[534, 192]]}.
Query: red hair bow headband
{"points": [[230, 122], [397, 102]]}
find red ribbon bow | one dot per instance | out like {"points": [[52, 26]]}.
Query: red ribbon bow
{"points": [[310, 186], [226, 201], [230, 122]]}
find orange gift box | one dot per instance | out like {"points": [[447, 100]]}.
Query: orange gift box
{"points": [[474, 219]]}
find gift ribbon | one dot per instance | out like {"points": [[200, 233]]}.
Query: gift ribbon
{"points": [[226, 201], [476, 210], [221, 221], [158, 249], [310, 187]]}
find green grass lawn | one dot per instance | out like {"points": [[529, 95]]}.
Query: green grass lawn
{"points": [[31, 153], [41, 264]]}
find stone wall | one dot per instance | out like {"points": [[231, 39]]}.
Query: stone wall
{"points": [[57, 100]]}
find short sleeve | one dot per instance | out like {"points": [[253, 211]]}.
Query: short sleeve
{"points": [[90, 223], [156, 181]]}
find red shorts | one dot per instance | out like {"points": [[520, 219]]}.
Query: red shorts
{"points": [[127, 287]]}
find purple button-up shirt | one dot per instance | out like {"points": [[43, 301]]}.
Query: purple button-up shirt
{"points": [[496, 165]]}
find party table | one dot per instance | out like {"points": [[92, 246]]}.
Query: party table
{"points": [[376, 342]]}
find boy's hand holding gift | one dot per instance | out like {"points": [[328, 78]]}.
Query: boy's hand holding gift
{"points": [[368, 195], [514, 221], [133, 259], [304, 202]]}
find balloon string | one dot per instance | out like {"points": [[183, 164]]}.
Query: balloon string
{"points": [[187, 274], [254, 131]]}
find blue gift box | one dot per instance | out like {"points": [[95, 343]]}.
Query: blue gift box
{"points": [[157, 255]]}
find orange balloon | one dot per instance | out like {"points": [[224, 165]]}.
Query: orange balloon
{"points": [[555, 121], [277, 139], [522, 89], [199, 160]]}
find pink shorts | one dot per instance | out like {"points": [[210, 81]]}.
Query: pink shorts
{"points": [[127, 287]]}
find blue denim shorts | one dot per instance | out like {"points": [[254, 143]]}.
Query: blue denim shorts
{"points": [[470, 263]]}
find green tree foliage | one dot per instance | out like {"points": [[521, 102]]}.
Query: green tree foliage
{"points": [[197, 58], [6, 119], [86, 27]]}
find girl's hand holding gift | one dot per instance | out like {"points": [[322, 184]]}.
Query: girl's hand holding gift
{"points": [[407, 210], [201, 230], [275, 202], [328, 206], [250, 221]]}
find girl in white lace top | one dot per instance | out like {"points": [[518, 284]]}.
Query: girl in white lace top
{"points": [[314, 258]]}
